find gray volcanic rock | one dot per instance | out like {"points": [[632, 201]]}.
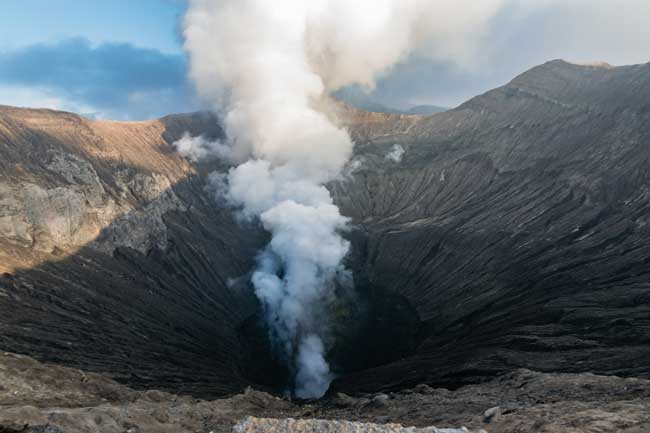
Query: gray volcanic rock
{"points": [[288, 425], [528, 402], [512, 233], [114, 258], [515, 226]]}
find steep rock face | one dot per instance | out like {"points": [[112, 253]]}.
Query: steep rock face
{"points": [[112, 255], [512, 233], [515, 225]]}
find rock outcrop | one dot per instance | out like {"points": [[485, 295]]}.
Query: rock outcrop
{"points": [[288, 425]]}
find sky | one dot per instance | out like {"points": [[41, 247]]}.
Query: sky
{"points": [[118, 59], [124, 59]]}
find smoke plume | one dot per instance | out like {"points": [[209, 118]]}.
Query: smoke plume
{"points": [[396, 153], [266, 67]]}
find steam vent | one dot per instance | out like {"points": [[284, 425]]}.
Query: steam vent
{"points": [[508, 242]]}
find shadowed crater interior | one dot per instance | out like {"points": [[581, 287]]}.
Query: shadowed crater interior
{"points": [[514, 233], [368, 328]]}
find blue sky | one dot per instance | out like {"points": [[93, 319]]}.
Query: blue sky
{"points": [[120, 59], [145, 23], [123, 59]]}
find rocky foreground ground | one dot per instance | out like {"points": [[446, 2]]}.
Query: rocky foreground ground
{"points": [[36, 397]]}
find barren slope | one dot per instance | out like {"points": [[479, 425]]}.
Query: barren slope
{"points": [[516, 226], [113, 257], [513, 233]]}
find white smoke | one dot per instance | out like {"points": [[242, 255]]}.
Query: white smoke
{"points": [[313, 376], [396, 153], [267, 67], [354, 165], [197, 148]]}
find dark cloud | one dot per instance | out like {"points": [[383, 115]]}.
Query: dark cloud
{"points": [[119, 80], [421, 81]]}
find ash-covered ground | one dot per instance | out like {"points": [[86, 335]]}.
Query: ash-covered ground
{"points": [[36, 397]]}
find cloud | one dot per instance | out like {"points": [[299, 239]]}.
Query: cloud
{"points": [[396, 153], [124, 81], [521, 35], [30, 97], [198, 148], [119, 80]]}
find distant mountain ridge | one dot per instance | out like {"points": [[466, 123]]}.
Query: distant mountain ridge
{"points": [[359, 99]]}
